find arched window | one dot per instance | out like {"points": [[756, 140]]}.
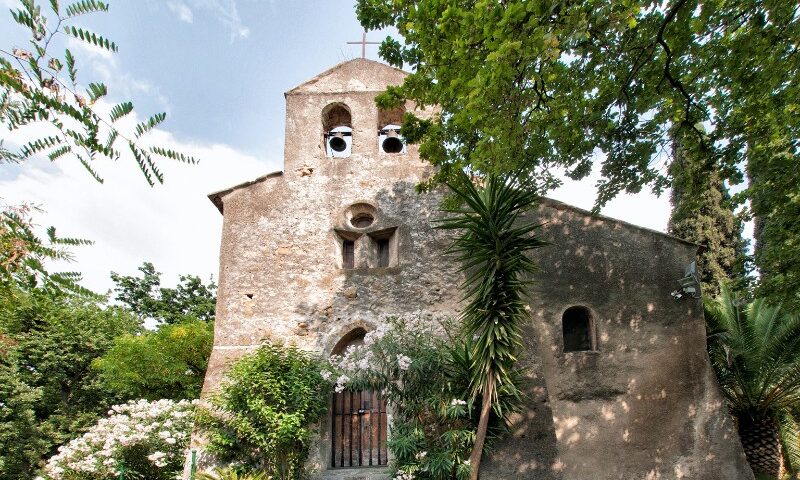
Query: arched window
{"points": [[358, 420], [337, 129], [578, 328]]}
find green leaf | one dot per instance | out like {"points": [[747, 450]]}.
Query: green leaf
{"points": [[91, 38], [84, 7], [59, 152], [149, 124], [96, 90], [36, 146], [120, 110], [171, 154], [73, 72]]}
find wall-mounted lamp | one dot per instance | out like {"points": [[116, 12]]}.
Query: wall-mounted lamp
{"points": [[690, 283]]}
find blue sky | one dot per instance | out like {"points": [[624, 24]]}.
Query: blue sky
{"points": [[219, 69]]}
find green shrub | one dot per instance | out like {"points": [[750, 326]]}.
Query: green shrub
{"points": [[261, 417]]}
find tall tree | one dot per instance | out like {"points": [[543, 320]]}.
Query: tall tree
{"points": [[703, 212], [540, 86], [492, 245], [755, 351], [190, 299]]}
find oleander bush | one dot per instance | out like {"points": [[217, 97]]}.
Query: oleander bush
{"points": [[148, 438]]}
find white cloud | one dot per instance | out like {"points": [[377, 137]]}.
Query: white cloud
{"points": [[173, 225], [226, 12], [105, 69], [182, 10]]}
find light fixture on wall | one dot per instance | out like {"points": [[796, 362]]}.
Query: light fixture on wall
{"points": [[689, 283]]}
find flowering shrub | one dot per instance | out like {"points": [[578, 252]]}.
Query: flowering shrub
{"points": [[149, 438], [422, 368], [261, 418]]}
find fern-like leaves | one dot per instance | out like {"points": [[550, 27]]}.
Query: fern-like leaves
{"points": [[85, 6], [121, 110], [96, 91], [173, 155], [150, 124], [91, 38]]}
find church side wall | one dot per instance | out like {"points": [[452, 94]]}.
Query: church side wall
{"points": [[643, 404]]}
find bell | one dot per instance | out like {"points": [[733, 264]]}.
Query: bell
{"points": [[337, 143], [392, 143]]}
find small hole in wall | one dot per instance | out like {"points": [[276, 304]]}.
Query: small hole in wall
{"points": [[249, 295]]}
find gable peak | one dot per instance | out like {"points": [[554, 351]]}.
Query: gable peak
{"points": [[357, 75]]}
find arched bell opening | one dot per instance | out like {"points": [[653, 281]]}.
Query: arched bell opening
{"points": [[337, 128], [389, 124]]}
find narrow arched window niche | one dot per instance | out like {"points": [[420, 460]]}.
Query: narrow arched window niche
{"points": [[358, 420], [337, 130], [578, 329]]}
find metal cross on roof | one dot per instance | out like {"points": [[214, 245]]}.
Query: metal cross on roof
{"points": [[364, 44]]}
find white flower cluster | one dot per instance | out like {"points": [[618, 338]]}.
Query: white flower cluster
{"points": [[457, 401], [401, 475], [163, 427]]}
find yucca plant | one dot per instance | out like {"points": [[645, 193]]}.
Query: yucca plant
{"points": [[755, 352], [492, 248], [231, 474]]}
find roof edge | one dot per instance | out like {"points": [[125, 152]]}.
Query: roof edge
{"points": [[216, 197], [294, 90], [559, 205]]}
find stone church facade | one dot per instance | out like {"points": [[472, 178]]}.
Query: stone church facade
{"points": [[327, 249]]}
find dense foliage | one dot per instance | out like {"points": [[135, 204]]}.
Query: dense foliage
{"points": [[167, 363], [190, 299], [261, 418], [422, 369], [492, 245], [703, 212], [146, 439], [41, 86], [48, 345], [755, 352], [539, 87]]}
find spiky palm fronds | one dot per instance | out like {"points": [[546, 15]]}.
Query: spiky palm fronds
{"points": [[492, 248], [755, 351], [231, 474]]}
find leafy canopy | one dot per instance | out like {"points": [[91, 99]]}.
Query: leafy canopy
{"points": [[190, 299], [538, 87], [168, 363]]}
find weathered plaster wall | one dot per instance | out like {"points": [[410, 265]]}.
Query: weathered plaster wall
{"points": [[642, 406]]}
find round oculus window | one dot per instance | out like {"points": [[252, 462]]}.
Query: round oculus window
{"points": [[362, 220]]}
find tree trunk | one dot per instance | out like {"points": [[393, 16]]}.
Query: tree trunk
{"points": [[483, 426], [761, 444]]}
